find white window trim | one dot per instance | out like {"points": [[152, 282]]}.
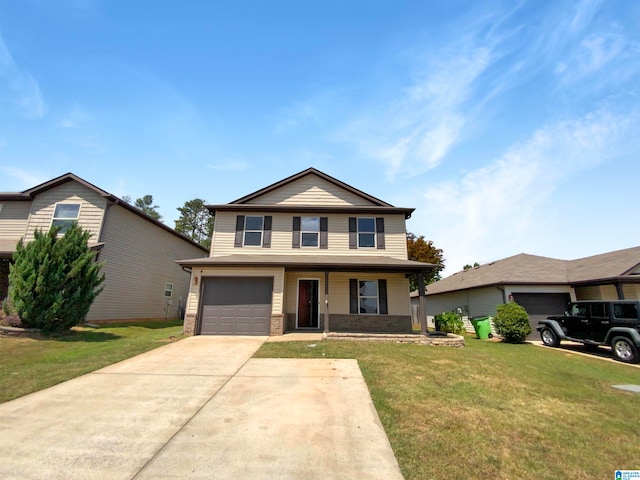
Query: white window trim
{"points": [[377, 297], [375, 236], [316, 232], [244, 233], [53, 215], [168, 287]]}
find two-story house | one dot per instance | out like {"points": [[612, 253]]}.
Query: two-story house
{"points": [[306, 253], [142, 280]]}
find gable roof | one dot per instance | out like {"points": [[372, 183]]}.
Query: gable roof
{"points": [[29, 194], [318, 173], [525, 269], [374, 205]]}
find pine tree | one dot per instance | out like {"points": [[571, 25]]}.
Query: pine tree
{"points": [[54, 279]]}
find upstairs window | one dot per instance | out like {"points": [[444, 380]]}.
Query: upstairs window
{"points": [[366, 232], [310, 231], [253, 231], [168, 290], [65, 215], [253, 227]]}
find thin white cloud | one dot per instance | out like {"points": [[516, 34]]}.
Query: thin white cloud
{"points": [[22, 89], [25, 179], [503, 206], [75, 117]]}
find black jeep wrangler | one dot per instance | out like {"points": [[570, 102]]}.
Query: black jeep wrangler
{"points": [[615, 323]]}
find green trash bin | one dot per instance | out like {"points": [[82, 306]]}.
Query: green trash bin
{"points": [[482, 326]]}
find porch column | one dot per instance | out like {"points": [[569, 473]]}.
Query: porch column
{"points": [[422, 306], [326, 302], [619, 291]]}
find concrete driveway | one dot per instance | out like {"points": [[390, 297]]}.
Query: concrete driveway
{"points": [[200, 408]]}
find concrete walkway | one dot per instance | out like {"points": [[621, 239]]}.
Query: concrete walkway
{"points": [[200, 408]]}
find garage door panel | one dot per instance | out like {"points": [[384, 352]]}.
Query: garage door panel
{"points": [[539, 306], [236, 306]]}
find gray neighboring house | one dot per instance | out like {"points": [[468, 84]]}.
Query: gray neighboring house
{"points": [[543, 286], [142, 279]]}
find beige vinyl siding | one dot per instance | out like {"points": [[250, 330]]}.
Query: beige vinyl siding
{"points": [[139, 260], [199, 273], [599, 292], [14, 219], [398, 300], [310, 190], [92, 207], [281, 236], [631, 291]]}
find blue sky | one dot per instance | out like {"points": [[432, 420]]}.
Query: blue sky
{"points": [[510, 126]]}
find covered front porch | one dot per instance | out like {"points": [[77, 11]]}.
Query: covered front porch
{"points": [[308, 293]]}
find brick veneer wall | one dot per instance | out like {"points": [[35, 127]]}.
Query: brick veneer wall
{"points": [[370, 323]]}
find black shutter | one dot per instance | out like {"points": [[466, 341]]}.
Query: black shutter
{"points": [[382, 297], [324, 232], [239, 230], [380, 233], [295, 241], [266, 234], [353, 296], [353, 233]]}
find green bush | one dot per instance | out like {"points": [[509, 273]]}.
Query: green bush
{"points": [[449, 322], [54, 279], [512, 322]]}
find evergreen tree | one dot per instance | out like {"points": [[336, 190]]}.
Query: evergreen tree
{"points": [[196, 222], [54, 279], [145, 204]]}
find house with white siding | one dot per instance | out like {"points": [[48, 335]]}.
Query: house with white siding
{"points": [[307, 253], [142, 280], [542, 285]]}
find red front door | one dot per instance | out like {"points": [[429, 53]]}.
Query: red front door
{"points": [[308, 304]]}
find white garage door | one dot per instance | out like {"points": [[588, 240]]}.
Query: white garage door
{"points": [[236, 305]]}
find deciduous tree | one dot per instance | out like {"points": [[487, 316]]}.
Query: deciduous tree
{"points": [[422, 250]]}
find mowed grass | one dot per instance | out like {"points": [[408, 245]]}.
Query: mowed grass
{"points": [[494, 410], [29, 365]]}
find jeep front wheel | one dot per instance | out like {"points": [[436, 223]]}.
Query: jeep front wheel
{"points": [[624, 350], [549, 337]]}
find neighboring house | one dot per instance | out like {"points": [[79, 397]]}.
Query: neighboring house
{"points": [[142, 278], [543, 286], [306, 253]]}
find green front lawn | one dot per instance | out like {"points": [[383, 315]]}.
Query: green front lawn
{"points": [[494, 410], [29, 365]]}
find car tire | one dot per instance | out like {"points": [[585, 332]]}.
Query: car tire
{"points": [[624, 350], [549, 337]]}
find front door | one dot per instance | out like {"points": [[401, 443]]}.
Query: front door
{"points": [[308, 304]]}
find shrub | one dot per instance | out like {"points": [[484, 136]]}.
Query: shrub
{"points": [[54, 279], [8, 316], [449, 322], [512, 322]]}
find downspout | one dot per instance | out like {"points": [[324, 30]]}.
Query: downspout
{"points": [[504, 293]]}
